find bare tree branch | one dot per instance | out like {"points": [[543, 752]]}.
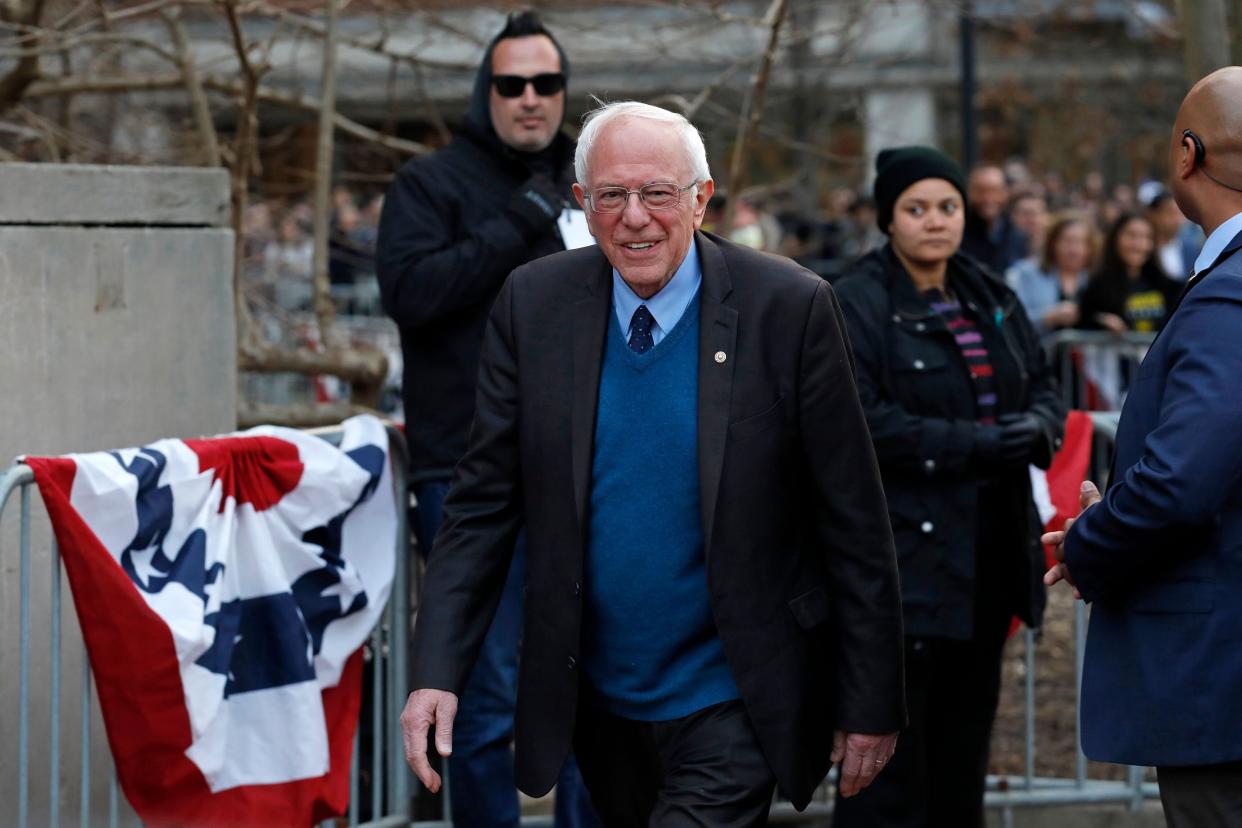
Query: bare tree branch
{"points": [[154, 83], [51, 41], [690, 108], [750, 116], [376, 44], [297, 416], [324, 310], [249, 340], [194, 87], [354, 366], [46, 130], [14, 84]]}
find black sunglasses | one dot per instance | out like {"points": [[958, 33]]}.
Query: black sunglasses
{"points": [[512, 86]]}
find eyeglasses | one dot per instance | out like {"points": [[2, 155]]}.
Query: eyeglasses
{"points": [[658, 195], [512, 86]]}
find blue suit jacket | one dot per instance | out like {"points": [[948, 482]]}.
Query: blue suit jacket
{"points": [[1160, 558]]}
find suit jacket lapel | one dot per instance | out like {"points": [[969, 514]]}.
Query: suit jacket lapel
{"points": [[1194, 280], [590, 325], [1229, 250], [717, 337]]}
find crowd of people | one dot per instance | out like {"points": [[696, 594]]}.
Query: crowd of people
{"points": [[1078, 255], [278, 239], [745, 522]]}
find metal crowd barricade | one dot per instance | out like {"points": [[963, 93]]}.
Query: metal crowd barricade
{"points": [[1009, 792], [1095, 367], [389, 781]]}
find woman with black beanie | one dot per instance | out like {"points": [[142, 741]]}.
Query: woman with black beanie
{"points": [[960, 402]]}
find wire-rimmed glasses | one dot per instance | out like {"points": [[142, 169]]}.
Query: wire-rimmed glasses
{"points": [[658, 195]]}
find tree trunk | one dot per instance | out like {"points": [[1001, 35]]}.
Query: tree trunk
{"points": [[1235, 30], [807, 108], [1205, 33], [749, 121], [324, 310]]}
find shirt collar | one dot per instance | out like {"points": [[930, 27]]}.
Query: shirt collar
{"points": [[669, 303], [1216, 242]]}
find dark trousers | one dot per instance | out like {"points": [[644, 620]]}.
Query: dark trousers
{"points": [[705, 769], [480, 779], [937, 775], [1203, 796]]}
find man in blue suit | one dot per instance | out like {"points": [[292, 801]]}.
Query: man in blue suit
{"points": [[1160, 555]]}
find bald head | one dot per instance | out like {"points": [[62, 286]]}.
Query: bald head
{"points": [[986, 192], [1212, 110]]}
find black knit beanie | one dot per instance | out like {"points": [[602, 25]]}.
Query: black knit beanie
{"points": [[896, 169]]}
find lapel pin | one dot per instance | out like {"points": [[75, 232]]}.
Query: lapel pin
{"points": [[721, 356]]}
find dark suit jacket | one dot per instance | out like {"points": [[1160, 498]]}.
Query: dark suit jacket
{"points": [[800, 561], [1160, 558]]}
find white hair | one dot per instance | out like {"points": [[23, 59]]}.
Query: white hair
{"points": [[597, 119]]}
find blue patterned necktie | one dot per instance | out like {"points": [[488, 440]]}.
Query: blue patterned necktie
{"points": [[641, 340]]}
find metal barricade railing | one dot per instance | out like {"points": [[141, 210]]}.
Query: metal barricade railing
{"points": [[1094, 368], [389, 780], [1009, 792]]}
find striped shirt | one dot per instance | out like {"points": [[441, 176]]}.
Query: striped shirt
{"points": [[974, 352]]}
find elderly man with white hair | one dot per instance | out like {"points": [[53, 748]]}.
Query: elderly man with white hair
{"points": [[712, 605]]}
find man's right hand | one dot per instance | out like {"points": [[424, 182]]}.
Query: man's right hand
{"points": [[1088, 496], [537, 203], [424, 709]]}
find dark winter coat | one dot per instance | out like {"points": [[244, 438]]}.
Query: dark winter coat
{"points": [[948, 506], [1110, 292], [447, 241], [997, 248]]}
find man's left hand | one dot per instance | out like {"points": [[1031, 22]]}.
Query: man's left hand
{"points": [[862, 757], [1088, 496]]}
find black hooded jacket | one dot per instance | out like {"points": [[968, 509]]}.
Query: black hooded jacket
{"points": [[965, 527], [447, 241]]}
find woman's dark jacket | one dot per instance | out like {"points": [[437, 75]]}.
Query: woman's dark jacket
{"points": [[1108, 292], [947, 504]]}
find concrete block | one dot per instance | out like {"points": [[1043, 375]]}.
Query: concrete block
{"points": [[71, 194], [116, 329]]}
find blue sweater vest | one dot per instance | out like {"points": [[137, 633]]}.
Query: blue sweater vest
{"points": [[651, 648]]}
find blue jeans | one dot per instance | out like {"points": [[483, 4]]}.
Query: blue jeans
{"points": [[481, 786]]}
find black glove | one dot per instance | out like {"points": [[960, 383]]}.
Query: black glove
{"points": [[1019, 434], [987, 445], [537, 203]]}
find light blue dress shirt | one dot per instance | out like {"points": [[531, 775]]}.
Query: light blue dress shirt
{"points": [[1215, 243], [667, 305]]}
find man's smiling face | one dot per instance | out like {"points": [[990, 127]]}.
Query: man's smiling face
{"points": [[645, 246]]}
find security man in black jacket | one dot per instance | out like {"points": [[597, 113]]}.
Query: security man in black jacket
{"points": [[960, 402], [454, 224]]}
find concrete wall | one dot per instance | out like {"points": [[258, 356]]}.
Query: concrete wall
{"points": [[116, 328]]}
